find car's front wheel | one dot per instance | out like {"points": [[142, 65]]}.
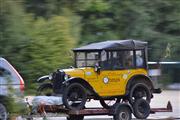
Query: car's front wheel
{"points": [[74, 96], [3, 112]]}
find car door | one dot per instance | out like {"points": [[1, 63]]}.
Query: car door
{"points": [[109, 79], [10, 79], [110, 82], [115, 72]]}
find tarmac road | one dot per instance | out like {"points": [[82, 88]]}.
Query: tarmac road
{"points": [[159, 100]]}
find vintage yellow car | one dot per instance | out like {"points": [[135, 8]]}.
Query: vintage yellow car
{"points": [[110, 71]]}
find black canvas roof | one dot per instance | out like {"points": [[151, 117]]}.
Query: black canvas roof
{"points": [[113, 45]]}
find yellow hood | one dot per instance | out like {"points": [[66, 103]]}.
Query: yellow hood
{"points": [[75, 72]]}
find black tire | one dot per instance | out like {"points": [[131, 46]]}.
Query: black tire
{"points": [[45, 89], [75, 117], [139, 91], [141, 109], [109, 103], [3, 112], [122, 112], [72, 94]]}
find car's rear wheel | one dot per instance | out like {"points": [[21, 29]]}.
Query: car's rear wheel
{"points": [[139, 91], [3, 112], [109, 103], [74, 96]]}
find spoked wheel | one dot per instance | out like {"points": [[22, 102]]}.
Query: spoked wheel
{"points": [[74, 96], [46, 89], [122, 112], [139, 91], [75, 117], [3, 112], [141, 109], [109, 103]]}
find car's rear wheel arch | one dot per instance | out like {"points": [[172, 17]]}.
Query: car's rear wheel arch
{"points": [[139, 79]]}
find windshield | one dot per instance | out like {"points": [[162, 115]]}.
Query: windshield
{"points": [[86, 59]]}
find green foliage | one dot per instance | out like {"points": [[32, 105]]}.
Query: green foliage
{"points": [[13, 31], [95, 6], [14, 101], [36, 46], [150, 21], [50, 45], [13, 106], [157, 22]]}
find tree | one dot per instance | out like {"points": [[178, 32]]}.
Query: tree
{"points": [[36, 46], [156, 22], [51, 43], [150, 21], [13, 32]]}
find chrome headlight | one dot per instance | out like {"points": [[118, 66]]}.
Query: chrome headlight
{"points": [[66, 77]]}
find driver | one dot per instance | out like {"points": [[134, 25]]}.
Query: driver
{"points": [[139, 61]]}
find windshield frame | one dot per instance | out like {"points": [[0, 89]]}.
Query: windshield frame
{"points": [[86, 59]]}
